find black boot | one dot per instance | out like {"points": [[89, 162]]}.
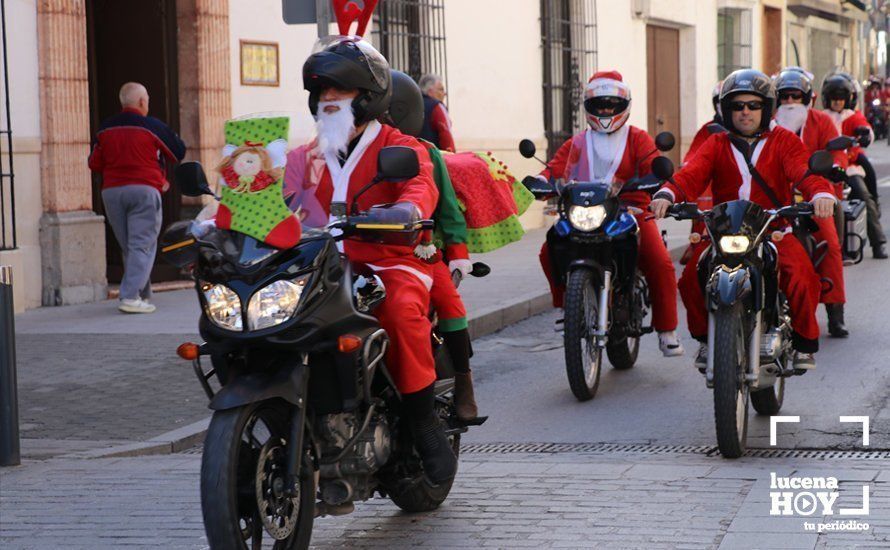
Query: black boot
{"points": [[460, 350], [836, 326], [879, 252], [439, 462]]}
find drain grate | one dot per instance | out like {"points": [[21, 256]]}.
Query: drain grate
{"points": [[642, 448]]}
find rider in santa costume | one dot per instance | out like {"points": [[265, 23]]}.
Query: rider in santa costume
{"points": [[815, 128], [839, 98], [747, 100], [349, 86], [612, 150]]}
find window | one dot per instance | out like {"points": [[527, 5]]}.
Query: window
{"points": [[411, 36], [7, 197], [733, 40], [568, 34]]}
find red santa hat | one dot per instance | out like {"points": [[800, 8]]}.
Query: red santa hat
{"points": [[611, 75]]}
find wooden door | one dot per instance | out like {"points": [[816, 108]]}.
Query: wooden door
{"points": [[663, 83], [133, 41], [772, 40]]}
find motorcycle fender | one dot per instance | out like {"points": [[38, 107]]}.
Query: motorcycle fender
{"points": [[284, 382], [585, 264], [728, 286]]}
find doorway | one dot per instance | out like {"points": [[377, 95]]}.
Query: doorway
{"points": [[663, 83], [133, 41]]}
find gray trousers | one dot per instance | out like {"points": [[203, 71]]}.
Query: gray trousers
{"points": [[859, 190], [134, 212]]}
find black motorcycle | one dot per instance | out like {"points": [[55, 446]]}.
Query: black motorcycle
{"points": [[877, 118], [593, 249], [749, 323], [306, 417]]}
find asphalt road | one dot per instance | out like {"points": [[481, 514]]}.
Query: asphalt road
{"points": [[522, 385]]}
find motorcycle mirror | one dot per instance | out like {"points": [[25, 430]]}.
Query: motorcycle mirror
{"points": [[191, 179], [480, 269], [861, 131], [177, 245], [840, 143], [663, 168], [527, 148], [665, 141], [821, 162], [397, 163]]}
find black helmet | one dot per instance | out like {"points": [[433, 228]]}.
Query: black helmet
{"points": [[794, 79], [747, 81], [349, 63], [839, 86], [406, 106]]}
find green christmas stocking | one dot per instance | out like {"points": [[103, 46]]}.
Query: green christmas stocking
{"points": [[252, 171]]}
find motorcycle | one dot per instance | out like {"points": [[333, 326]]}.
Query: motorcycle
{"points": [[877, 117], [306, 418], [607, 299], [749, 323]]}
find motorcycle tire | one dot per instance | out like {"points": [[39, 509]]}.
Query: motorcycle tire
{"points": [[229, 506], [623, 354], [422, 496], [580, 309], [730, 389], [768, 401]]}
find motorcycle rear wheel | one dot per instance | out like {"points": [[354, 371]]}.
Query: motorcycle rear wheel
{"points": [[730, 388], [583, 359], [768, 401], [245, 447], [422, 496]]}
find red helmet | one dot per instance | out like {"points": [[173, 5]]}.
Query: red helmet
{"points": [[607, 102]]}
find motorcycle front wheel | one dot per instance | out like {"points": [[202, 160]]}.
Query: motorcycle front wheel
{"points": [[243, 471], [730, 387], [583, 358]]}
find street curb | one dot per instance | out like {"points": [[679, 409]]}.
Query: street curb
{"points": [[170, 442]]}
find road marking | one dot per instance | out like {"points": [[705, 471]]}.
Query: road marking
{"points": [[859, 420], [773, 420]]}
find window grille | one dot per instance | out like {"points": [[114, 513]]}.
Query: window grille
{"points": [[411, 36], [568, 35]]}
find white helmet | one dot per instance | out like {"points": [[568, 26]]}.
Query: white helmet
{"points": [[607, 102]]}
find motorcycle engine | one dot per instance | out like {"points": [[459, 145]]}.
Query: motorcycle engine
{"points": [[371, 450]]}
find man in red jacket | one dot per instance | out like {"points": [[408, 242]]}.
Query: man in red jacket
{"points": [[778, 157], [131, 150], [611, 150], [839, 97], [350, 86], [816, 129]]}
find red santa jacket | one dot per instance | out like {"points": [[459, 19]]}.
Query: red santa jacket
{"points": [[705, 201], [420, 191], [636, 162], [780, 157], [848, 128], [817, 131]]}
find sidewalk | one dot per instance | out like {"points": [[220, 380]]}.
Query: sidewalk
{"points": [[91, 378]]}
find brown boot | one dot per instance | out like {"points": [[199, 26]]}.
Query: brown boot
{"points": [[464, 399]]}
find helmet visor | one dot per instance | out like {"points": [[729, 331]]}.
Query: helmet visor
{"points": [[605, 106]]}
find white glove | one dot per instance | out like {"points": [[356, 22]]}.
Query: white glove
{"points": [[464, 266], [201, 228]]}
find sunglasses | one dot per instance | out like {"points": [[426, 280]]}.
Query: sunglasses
{"points": [[791, 95], [739, 106]]}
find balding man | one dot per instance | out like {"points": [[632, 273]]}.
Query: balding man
{"points": [[131, 151], [436, 122]]}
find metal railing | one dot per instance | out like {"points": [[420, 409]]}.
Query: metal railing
{"points": [[411, 36], [568, 36], [733, 40], [7, 177]]}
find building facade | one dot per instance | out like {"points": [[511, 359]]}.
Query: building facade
{"points": [[514, 69]]}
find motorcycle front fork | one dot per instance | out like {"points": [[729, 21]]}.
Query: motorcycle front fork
{"points": [[752, 369], [602, 312]]}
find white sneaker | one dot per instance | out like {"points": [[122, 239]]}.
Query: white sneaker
{"points": [[701, 358], [669, 344], [136, 306], [560, 324]]}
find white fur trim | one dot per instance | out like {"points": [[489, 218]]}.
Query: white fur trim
{"points": [[423, 277], [824, 196], [278, 152]]}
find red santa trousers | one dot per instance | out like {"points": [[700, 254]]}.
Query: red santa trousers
{"points": [[446, 300], [832, 266]]}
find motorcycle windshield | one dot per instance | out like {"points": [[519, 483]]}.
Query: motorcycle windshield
{"points": [[305, 166], [239, 248], [737, 218]]}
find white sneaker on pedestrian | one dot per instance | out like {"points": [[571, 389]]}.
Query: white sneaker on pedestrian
{"points": [[669, 344], [136, 306]]}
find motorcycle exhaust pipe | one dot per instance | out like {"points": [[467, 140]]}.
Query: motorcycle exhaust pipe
{"points": [[336, 492]]}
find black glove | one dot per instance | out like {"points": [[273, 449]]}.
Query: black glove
{"points": [[863, 135], [837, 175]]}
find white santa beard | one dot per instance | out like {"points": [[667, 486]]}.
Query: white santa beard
{"points": [[335, 129], [605, 147], [792, 116]]}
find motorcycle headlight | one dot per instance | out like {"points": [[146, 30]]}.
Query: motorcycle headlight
{"points": [[587, 218], [222, 306], [275, 304], [876, 102], [734, 244]]}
